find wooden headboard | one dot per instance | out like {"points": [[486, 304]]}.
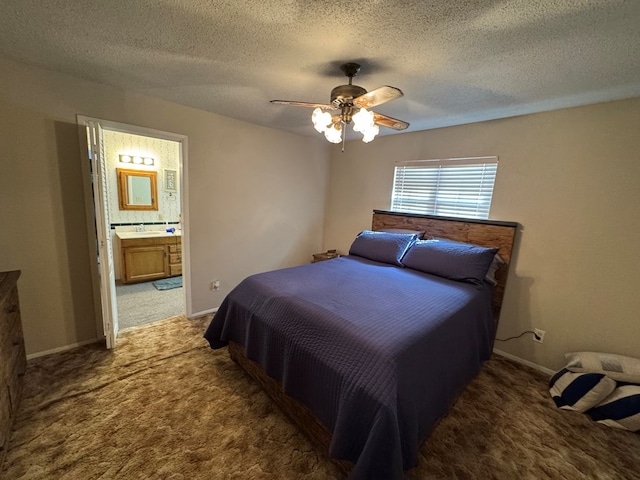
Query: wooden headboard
{"points": [[486, 233]]}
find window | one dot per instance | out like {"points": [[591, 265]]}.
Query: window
{"points": [[454, 187]]}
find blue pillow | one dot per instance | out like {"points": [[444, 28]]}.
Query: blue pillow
{"points": [[453, 260], [382, 247], [419, 233]]}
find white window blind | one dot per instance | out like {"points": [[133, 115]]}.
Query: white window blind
{"points": [[453, 187]]}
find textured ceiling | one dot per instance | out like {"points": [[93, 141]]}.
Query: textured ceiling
{"points": [[457, 61]]}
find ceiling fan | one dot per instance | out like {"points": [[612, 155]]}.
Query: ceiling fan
{"points": [[353, 102]]}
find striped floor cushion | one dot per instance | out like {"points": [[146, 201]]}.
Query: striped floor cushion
{"points": [[621, 409], [579, 391]]}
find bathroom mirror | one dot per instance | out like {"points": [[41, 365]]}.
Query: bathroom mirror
{"points": [[137, 189]]}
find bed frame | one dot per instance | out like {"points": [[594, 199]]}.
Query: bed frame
{"points": [[486, 233]]}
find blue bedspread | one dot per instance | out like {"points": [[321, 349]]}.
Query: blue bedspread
{"points": [[376, 351]]}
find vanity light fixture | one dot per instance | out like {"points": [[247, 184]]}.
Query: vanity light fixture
{"points": [[138, 160]]}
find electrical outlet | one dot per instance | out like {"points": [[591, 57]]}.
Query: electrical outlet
{"points": [[215, 285], [538, 335]]}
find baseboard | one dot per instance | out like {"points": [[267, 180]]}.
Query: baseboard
{"points": [[202, 313], [96, 340], [62, 349], [535, 366]]}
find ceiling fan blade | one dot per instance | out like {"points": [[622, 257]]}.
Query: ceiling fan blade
{"points": [[377, 97], [303, 104], [390, 122]]}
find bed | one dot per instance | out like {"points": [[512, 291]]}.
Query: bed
{"points": [[364, 353]]}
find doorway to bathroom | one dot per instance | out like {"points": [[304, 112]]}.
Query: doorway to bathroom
{"points": [[137, 189], [144, 302]]}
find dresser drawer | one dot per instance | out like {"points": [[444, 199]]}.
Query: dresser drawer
{"points": [[14, 381], [10, 317], [175, 248], [14, 362], [175, 270], [8, 302], [10, 326], [5, 416]]}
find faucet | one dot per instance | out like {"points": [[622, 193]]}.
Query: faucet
{"points": [[140, 228]]}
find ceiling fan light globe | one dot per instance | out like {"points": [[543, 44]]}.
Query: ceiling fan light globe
{"points": [[362, 120], [370, 133], [321, 120], [333, 134]]}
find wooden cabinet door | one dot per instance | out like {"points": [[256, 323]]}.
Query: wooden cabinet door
{"points": [[145, 263]]}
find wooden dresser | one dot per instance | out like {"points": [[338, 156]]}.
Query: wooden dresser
{"points": [[13, 361]]}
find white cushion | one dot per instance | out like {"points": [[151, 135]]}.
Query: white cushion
{"points": [[618, 367], [495, 265]]}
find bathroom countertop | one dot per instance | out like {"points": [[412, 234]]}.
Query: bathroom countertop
{"points": [[148, 234]]}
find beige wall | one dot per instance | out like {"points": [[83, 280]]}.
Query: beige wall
{"points": [[571, 178], [256, 196]]}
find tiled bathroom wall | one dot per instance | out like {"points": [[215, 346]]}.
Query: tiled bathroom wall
{"points": [[167, 156]]}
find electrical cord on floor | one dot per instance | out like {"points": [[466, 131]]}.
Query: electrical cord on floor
{"points": [[518, 336]]}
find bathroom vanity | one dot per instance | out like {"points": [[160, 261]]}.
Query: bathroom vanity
{"points": [[147, 256]]}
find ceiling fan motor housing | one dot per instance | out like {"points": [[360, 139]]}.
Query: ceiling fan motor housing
{"points": [[343, 95]]}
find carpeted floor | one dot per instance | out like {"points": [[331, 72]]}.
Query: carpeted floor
{"points": [[164, 405], [142, 303]]}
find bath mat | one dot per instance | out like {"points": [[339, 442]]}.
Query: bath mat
{"points": [[168, 283]]}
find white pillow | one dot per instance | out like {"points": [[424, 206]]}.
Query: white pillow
{"points": [[495, 265], [618, 367]]}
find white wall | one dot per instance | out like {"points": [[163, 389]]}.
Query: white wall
{"points": [[256, 196], [571, 178]]}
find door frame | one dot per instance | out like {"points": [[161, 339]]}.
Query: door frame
{"points": [[82, 122]]}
